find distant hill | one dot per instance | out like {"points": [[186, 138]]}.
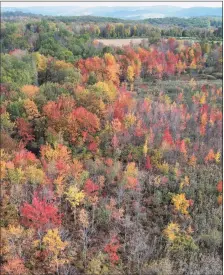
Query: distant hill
{"points": [[199, 11], [19, 14], [130, 13], [198, 22], [16, 15]]}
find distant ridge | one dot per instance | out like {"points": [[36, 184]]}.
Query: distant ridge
{"points": [[200, 11], [130, 13]]}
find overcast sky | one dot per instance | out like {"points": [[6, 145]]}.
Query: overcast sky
{"points": [[88, 4]]}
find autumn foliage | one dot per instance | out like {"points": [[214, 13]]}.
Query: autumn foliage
{"points": [[112, 249], [40, 214], [111, 156]]}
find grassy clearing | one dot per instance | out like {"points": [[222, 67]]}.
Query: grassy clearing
{"points": [[171, 87], [121, 42]]}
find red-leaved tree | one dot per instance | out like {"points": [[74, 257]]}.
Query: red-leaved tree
{"points": [[112, 248], [91, 188], [24, 130], [40, 214]]}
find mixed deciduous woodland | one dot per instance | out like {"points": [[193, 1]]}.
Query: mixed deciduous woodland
{"points": [[111, 157]]}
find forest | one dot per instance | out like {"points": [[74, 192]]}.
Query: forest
{"points": [[111, 157]]}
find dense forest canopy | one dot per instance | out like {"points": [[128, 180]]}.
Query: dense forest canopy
{"points": [[197, 22], [111, 156]]}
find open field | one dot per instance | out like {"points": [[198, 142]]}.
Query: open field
{"points": [[117, 42], [121, 42]]}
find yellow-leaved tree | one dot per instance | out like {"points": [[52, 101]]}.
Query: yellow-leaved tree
{"points": [[105, 91], [41, 62], [130, 74], [181, 203], [53, 243], [172, 231], [31, 109], [74, 196]]}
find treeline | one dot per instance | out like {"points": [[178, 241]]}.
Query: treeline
{"points": [[198, 22], [72, 40], [13, 15], [120, 30], [200, 33], [106, 27]]}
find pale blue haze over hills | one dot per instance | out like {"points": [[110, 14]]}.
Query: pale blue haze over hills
{"points": [[131, 13]]}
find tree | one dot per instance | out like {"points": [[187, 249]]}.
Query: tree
{"points": [[15, 266], [130, 74], [59, 71], [148, 164], [112, 248], [172, 231], [53, 242], [24, 158], [74, 196], [41, 62], [91, 188], [6, 123], [25, 130], [31, 109], [18, 70], [112, 69], [80, 122], [167, 140], [181, 203], [30, 90], [40, 214], [154, 36], [105, 91], [220, 186]]}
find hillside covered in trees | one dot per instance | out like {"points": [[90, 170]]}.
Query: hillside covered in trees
{"points": [[109, 27], [111, 157]]}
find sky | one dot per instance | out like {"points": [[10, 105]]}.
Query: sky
{"points": [[113, 4]]}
